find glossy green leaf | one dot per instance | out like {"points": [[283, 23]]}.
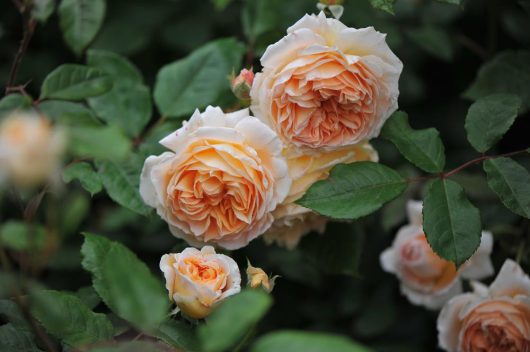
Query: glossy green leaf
{"points": [[66, 317], [88, 296], [511, 182], [489, 118], [451, 223], [179, 334], [354, 190], [85, 173], [75, 82], [114, 65], [80, 21], [42, 9], [21, 236], [105, 142], [385, 5], [122, 186], [14, 340], [423, 148], [297, 341], [434, 40], [199, 79], [229, 323], [125, 106], [68, 113], [13, 102], [125, 283], [508, 72]]}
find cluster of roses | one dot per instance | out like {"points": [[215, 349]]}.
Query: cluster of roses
{"points": [[325, 90]]}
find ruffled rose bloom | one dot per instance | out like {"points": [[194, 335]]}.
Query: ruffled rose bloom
{"points": [[426, 279], [221, 181], [30, 149], [197, 280], [489, 319], [325, 85], [293, 221]]}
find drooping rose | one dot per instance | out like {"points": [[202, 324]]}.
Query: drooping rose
{"points": [[197, 280], [495, 319], [257, 278], [221, 181], [425, 278], [30, 149], [325, 85], [292, 221]]}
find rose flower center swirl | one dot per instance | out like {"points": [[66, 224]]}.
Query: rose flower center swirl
{"points": [[214, 192], [325, 103]]}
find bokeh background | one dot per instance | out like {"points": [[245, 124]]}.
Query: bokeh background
{"points": [[331, 282]]}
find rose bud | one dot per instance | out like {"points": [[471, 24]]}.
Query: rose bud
{"points": [[30, 149], [425, 278], [256, 278], [494, 318], [197, 280], [242, 84]]}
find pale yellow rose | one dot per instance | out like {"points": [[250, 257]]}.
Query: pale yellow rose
{"points": [[492, 319], [221, 181], [292, 221], [425, 278], [30, 149], [325, 86], [256, 278], [197, 280]]}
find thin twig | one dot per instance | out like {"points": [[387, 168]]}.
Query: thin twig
{"points": [[28, 25]]}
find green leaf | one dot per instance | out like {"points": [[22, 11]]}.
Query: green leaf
{"points": [[68, 113], [87, 176], [199, 79], [88, 296], [75, 82], [423, 148], [11, 311], [354, 190], [125, 283], [385, 5], [99, 142], [135, 346], [259, 17], [80, 21], [454, 2], [489, 118], [66, 317], [511, 182], [340, 256], [13, 340], [115, 65], [434, 40], [20, 236], [221, 4], [126, 106], [179, 335], [451, 222], [42, 9], [13, 102], [229, 323], [297, 341], [122, 187], [508, 72]]}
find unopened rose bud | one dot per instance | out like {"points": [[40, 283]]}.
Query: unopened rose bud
{"points": [[242, 83], [256, 278]]}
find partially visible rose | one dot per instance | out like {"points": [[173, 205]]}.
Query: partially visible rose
{"points": [[197, 280], [489, 319], [221, 181], [256, 278], [30, 149], [325, 86], [242, 83], [425, 278], [292, 221]]}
